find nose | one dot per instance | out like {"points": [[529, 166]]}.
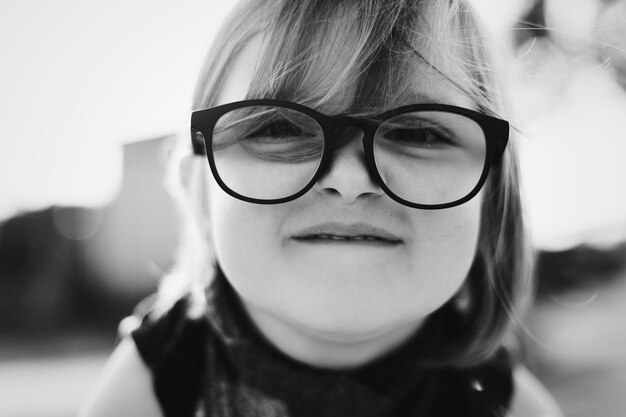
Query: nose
{"points": [[347, 175]]}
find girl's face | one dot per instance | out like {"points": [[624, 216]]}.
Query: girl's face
{"points": [[341, 290]]}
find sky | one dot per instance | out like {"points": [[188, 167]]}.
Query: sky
{"points": [[81, 77]]}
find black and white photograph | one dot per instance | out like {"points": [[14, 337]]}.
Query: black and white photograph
{"points": [[312, 208]]}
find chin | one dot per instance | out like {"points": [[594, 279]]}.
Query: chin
{"points": [[348, 316], [344, 329]]}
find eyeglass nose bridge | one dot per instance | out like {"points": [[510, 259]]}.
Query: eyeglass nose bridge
{"points": [[368, 129], [341, 122]]}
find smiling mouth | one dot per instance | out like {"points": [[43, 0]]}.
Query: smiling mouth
{"points": [[346, 234], [325, 238]]}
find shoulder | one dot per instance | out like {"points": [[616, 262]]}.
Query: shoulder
{"points": [[530, 397], [124, 388], [156, 369]]}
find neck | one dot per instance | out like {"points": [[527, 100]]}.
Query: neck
{"points": [[327, 351]]}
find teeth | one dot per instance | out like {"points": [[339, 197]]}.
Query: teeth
{"points": [[335, 237]]}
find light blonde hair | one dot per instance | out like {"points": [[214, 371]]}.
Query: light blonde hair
{"points": [[377, 45]]}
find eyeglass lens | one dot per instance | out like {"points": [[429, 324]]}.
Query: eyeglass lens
{"points": [[424, 157]]}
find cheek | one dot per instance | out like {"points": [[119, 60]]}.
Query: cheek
{"points": [[443, 251], [244, 237]]}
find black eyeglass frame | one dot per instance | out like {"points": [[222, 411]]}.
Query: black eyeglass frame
{"points": [[496, 132]]}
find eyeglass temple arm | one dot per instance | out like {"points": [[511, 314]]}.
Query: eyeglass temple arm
{"points": [[197, 142]]}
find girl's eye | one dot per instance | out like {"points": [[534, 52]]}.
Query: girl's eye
{"points": [[419, 137], [279, 130]]}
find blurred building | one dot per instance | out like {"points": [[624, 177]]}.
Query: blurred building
{"points": [[64, 267]]}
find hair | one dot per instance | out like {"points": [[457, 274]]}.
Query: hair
{"points": [[374, 49]]}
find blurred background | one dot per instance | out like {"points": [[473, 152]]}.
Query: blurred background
{"points": [[92, 95]]}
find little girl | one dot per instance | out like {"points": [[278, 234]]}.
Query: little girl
{"points": [[354, 239]]}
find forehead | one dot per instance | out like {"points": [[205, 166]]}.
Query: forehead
{"points": [[421, 83], [430, 85]]}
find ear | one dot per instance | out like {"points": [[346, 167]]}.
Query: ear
{"points": [[195, 178], [192, 191], [185, 168]]}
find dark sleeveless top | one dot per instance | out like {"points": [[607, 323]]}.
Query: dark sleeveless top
{"points": [[219, 365]]}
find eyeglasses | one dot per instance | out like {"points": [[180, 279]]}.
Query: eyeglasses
{"points": [[425, 156]]}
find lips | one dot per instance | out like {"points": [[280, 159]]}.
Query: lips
{"points": [[347, 233]]}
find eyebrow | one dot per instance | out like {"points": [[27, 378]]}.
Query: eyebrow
{"points": [[423, 97]]}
